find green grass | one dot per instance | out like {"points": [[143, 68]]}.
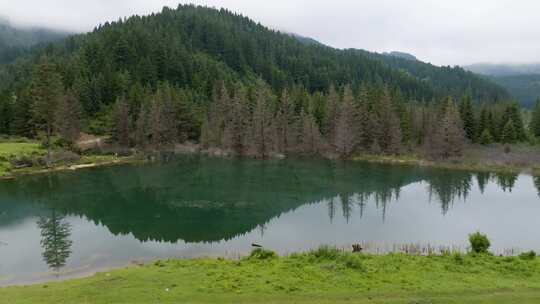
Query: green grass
{"points": [[324, 276], [10, 150]]}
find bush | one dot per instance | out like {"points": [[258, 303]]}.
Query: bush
{"points": [[529, 255], [262, 254], [326, 252], [479, 243]]}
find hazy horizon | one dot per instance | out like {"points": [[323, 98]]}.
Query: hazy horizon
{"points": [[457, 33]]}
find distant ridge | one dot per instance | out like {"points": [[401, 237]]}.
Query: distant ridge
{"points": [[401, 55]]}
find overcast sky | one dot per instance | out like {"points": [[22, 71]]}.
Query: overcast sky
{"points": [[437, 31]]}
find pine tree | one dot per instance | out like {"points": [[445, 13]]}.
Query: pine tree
{"points": [[509, 134], [347, 131], [486, 138], [236, 123], [311, 139], [512, 113], [261, 125], [22, 116], [68, 118], [467, 117], [47, 89], [390, 138], [141, 128], [331, 115], [286, 124], [535, 121], [121, 129], [6, 115], [448, 139]]}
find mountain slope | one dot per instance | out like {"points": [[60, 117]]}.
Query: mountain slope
{"points": [[522, 81], [193, 47]]}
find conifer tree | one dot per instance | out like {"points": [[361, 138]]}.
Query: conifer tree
{"points": [[331, 115], [509, 134], [311, 139], [486, 138], [22, 116], [141, 127], [47, 89], [535, 120], [286, 124], [121, 129], [449, 138], [68, 118], [347, 131], [390, 138], [261, 125], [467, 117], [512, 113]]}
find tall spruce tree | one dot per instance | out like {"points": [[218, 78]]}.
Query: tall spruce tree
{"points": [[68, 118], [347, 131], [467, 117], [47, 91], [535, 120]]}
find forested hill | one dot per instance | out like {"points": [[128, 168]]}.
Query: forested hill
{"points": [[15, 41], [450, 80], [193, 47]]}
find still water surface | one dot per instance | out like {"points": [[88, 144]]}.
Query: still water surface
{"points": [[67, 224]]}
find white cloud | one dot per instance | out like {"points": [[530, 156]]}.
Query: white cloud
{"points": [[443, 32]]}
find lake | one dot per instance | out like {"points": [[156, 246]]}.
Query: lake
{"points": [[68, 224]]}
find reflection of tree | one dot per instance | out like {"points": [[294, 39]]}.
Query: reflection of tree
{"points": [[448, 186], [483, 179], [55, 233], [506, 181], [536, 180]]}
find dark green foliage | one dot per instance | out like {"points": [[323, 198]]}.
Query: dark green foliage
{"points": [[467, 117], [529, 255], [55, 234], [479, 243], [535, 121], [513, 113], [509, 134], [486, 138], [262, 254]]}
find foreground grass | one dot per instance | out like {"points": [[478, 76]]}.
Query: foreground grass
{"points": [[325, 276]]}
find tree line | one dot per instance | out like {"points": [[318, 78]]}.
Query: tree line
{"points": [[250, 119]]}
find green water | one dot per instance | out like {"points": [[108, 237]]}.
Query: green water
{"points": [[71, 223]]}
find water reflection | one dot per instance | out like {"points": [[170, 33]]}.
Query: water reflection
{"points": [[55, 240], [208, 200]]}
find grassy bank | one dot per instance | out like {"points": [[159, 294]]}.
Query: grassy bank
{"points": [[32, 152], [323, 276]]}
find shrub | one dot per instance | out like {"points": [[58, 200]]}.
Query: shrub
{"points": [[326, 252], [352, 261], [529, 255], [479, 242], [262, 254], [458, 258]]}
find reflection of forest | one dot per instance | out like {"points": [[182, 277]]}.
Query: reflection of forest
{"points": [[204, 200]]}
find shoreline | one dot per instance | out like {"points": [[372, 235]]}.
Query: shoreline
{"points": [[409, 160]]}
